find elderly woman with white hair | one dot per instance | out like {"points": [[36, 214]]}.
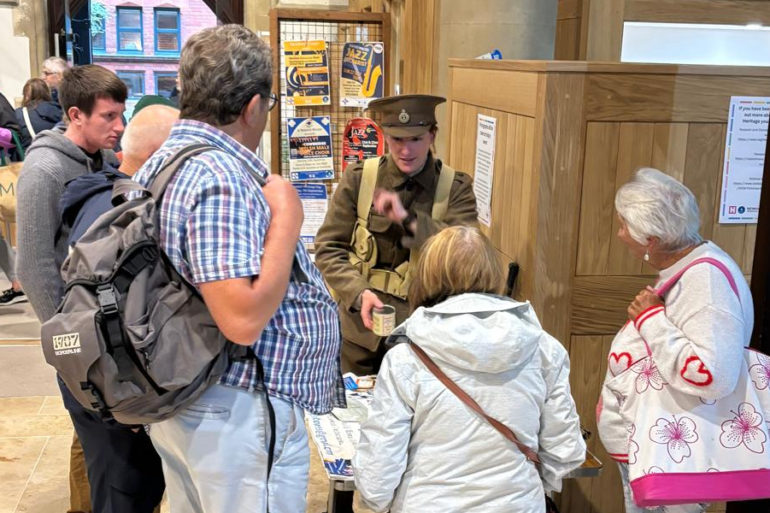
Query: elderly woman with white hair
{"points": [[696, 332]]}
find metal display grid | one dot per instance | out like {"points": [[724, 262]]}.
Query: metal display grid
{"points": [[336, 28]]}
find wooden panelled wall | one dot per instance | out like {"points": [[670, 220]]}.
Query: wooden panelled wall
{"points": [[593, 29], [565, 142], [415, 28]]}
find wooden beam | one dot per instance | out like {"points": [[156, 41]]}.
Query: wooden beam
{"points": [[604, 34], [728, 12]]}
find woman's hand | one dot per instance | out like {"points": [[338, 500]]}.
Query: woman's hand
{"points": [[646, 298], [369, 301], [388, 204]]}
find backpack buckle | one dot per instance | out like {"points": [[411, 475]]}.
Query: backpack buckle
{"points": [[108, 301]]}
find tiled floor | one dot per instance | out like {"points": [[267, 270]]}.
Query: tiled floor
{"points": [[35, 437]]}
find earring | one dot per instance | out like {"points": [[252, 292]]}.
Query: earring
{"points": [[647, 256]]}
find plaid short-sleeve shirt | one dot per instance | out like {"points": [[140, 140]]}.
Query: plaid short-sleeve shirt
{"points": [[214, 218]]}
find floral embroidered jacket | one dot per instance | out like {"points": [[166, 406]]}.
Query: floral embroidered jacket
{"points": [[696, 341]]}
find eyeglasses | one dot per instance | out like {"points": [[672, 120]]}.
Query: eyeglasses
{"points": [[272, 101]]}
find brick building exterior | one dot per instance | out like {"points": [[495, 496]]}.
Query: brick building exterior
{"points": [[140, 40]]}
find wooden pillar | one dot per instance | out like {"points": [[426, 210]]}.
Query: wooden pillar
{"points": [[590, 30], [604, 36], [419, 45], [569, 17]]}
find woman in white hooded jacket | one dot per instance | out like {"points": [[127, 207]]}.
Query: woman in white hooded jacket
{"points": [[422, 449]]}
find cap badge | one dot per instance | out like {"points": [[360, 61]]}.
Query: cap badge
{"points": [[404, 117]]}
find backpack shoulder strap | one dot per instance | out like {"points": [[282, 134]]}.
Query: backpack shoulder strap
{"points": [[708, 260], [158, 184], [444, 186], [366, 190], [28, 122]]}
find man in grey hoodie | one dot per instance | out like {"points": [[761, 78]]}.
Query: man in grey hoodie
{"points": [[93, 100]]}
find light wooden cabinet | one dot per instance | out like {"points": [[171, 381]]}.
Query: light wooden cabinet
{"points": [[568, 135]]}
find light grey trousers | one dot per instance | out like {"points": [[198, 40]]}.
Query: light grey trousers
{"points": [[7, 259]]}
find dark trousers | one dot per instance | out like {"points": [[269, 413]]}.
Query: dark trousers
{"points": [[359, 360], [123, 468]]}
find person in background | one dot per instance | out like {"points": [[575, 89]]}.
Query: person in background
{"points": [[90, 195], [14, 294], [37, 112], [151, 99], [116, 453], [93, 100], [697, 331], [424, 449], [399, 219], [8, 121], [52, 72]]}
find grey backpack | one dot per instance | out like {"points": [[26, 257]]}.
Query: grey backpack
{"points": [[131, 338]]}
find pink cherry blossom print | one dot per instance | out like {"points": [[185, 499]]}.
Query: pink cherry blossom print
{"points": [[744, 429], [648, 376], [676, 435], [633, 447], [760, 372], [618, 362]]}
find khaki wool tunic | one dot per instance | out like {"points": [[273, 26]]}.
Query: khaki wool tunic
{"points": [[332, 241]]}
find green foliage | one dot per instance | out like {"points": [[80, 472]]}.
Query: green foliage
{"points": [[98, 16]]}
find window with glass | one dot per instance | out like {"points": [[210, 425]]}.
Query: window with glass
{"points": [[98, 41], [168, 37], [99, 15], [134, 80], [129, 28], [165, 83]]}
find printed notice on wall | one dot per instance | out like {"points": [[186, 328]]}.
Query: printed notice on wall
{"points": [[362, 78], [747, 123], [307, 72], [310, 148], [485, 162], [314, 204]]}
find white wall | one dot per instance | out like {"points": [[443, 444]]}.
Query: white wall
{"points": [[14, 56], [520, 29]]}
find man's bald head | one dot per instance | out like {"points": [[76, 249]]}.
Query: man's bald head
{"points": [[146, 132]]}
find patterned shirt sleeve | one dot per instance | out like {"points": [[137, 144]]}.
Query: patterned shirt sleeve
{"points": [[225, 238]]}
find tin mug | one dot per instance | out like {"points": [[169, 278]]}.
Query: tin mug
{"points": [[383, 320]]}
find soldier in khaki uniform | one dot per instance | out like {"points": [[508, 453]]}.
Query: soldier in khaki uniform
{"points": [[365, 245]]}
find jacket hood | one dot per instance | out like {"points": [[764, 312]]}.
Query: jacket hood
{"points": [[54, 139], [49, 111], [84, 187], [478, 332]]}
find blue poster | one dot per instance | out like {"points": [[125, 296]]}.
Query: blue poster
{"points": [[310, 148], [315, 204]]}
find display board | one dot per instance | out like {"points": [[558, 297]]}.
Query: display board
{"points": [[337, 30]]}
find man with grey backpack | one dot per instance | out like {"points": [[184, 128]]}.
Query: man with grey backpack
{"points": [[232, 231]]}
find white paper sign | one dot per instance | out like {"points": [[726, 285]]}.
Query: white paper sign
{"points": [[315, 204], [744, 159], [485, 163]]}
